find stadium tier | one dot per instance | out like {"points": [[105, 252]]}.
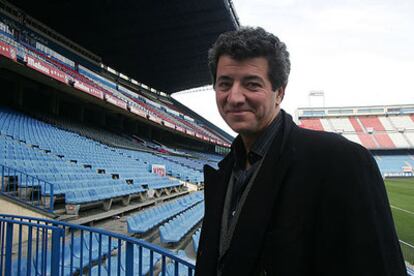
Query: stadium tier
{"points": [[148, 219], [175, 229], [364, 120], [388, 131], [63, 164], [379, 132], [26, 49], [394, 163]]}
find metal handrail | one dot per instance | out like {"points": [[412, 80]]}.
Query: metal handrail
{"points": [[7, 244], [49, 208], [57, 223], [408, 251], [118, 239]]}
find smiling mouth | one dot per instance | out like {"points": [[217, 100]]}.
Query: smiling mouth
{"points": [[237, 111]]}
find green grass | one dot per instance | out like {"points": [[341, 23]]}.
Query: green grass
{"points": [[401, 195]]}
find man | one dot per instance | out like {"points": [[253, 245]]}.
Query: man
{"points": [[286, 200]]}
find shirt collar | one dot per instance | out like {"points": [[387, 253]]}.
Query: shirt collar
{"points": [[260, 146]]}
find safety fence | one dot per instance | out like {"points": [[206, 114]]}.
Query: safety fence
{"points": [[408, 252], [33, 246], [26, 188]]}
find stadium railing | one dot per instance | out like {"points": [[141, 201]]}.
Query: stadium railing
{"points": [[26, 188], [35, 246]]}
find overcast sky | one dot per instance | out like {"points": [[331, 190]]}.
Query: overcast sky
{"points": [[357, 52]]}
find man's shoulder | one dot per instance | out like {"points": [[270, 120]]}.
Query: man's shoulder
{"points": [[336, 159]]}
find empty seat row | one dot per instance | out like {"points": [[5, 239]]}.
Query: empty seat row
{"points": [[101, 193], [394, 163], [63, 187], [149, 218], [70, 176], [175, 229]]}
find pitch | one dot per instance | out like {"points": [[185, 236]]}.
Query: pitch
{"points": [[401, 197]]}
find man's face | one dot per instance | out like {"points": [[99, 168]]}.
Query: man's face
{"points": [[244, 94]]}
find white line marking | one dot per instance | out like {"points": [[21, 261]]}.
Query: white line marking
{"points": [[412, 213]]}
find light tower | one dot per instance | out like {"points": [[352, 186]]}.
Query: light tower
{"points": [[316, 96]]}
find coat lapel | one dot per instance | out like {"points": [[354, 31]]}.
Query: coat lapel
{"points": [[250, 231], [214, 194]]}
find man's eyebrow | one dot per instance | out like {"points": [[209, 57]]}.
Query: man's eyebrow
{"points": [[224, 78], [249, 78]]}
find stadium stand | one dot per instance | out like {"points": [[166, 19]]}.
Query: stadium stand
{"points": [[410, 138], [85, 171], [342, 124], [326, 124], [384, 141], [371, 123], [196, 239], [105, 139], [394, 163], [191, 163], [356, 124], [388, 131], [399, 140], [104, 136], [386, 123], [40, 58], [175, 229], [172, 168], [148, 219]]}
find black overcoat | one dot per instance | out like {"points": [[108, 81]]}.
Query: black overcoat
{"points": [[318, 206]]}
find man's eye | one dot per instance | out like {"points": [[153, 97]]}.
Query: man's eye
{"points": [[223, 85], [252, 85]]}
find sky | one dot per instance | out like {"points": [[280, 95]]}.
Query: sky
{"points": [[356, 52]]}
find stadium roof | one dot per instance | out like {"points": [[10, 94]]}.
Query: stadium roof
{"points": [[162, 44], [347, 111]]}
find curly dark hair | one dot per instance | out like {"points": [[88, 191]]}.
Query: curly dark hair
{"points": [[249, 42]]}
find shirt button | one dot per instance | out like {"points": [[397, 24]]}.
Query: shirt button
{"points": [[250, 156]]}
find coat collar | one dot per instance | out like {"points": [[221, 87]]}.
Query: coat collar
{"points": [[214, 194], [255, 215]]}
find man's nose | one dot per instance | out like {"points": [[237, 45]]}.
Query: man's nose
{"points": [[236, 95]]}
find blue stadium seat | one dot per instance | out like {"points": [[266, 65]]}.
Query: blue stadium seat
{"points": [[196, 239], [149, 218], [175, 229]]}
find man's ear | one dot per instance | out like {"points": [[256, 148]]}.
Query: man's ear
{"points": [[280, 94]]}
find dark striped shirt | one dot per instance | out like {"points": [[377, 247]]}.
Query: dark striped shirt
{"points": [[257, 152]]}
